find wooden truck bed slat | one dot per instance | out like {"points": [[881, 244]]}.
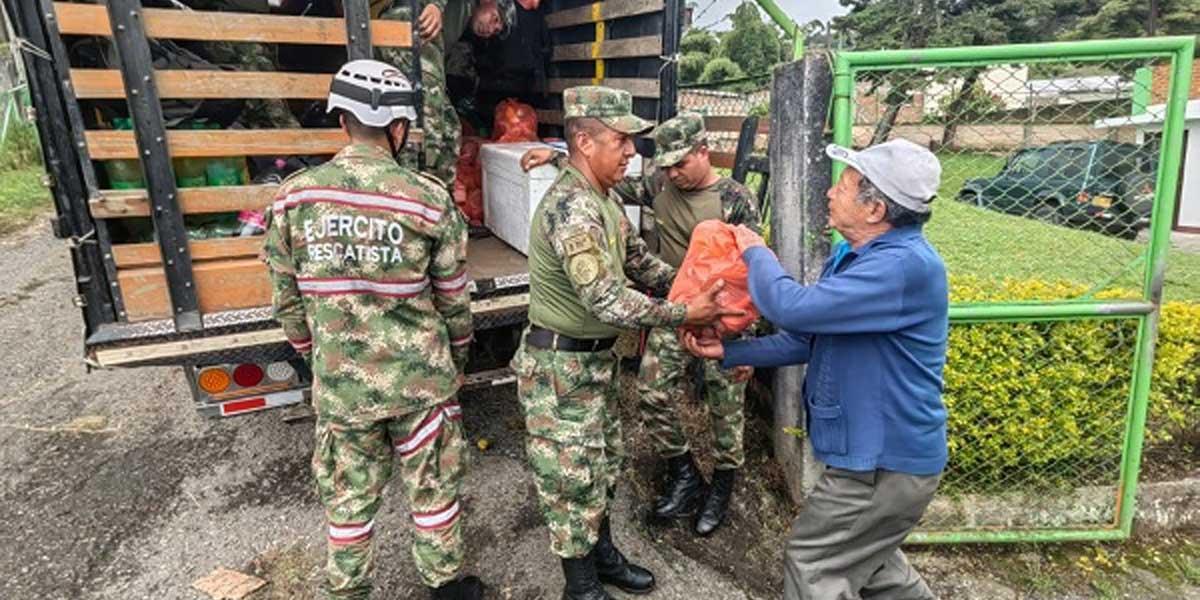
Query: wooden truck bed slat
{"points": [[166, 23], [110, 144]]}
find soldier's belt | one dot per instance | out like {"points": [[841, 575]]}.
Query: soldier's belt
{"points": [[545, 339]]}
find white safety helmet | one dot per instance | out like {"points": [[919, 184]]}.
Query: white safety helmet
{"points": [[375, 92]]}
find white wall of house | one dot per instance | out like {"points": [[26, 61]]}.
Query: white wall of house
{"points": [[1187, 214], [1188, 217]]}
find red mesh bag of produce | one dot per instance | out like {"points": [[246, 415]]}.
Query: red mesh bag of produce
{"points": [[514, 122], [468, 181], [712, 255]]}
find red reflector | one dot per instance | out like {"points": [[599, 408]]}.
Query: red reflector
{"points": [[248, 375], [237, 406]]}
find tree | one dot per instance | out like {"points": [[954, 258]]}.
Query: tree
{"points": [[751, 43], [691, 67], [699, 40], [720, 70], [1132, 18], [884, 24]]}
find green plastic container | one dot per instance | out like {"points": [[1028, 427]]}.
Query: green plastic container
{"points": [[125, 174], [206, 227], [229, 170], [226, 171], [190, 172]]}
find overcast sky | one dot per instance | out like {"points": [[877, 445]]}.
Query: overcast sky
{"points": [[801, 11]]}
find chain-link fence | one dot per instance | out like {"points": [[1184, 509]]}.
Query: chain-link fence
{"points": [[1047, 153], [1052, 224]]}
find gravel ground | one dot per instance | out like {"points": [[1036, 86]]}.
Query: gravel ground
{"points": [[112, 487]]}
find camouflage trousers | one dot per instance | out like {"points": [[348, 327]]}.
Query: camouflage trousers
{"points": [[574, 440], [662, 384], [442, 132], [352, 464]]}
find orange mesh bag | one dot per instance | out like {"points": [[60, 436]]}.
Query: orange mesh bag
{"points": [[514, 122], [468, 181], [712, 255]]}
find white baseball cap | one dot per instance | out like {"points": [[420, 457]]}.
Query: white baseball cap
{"points": [[907, 173]]}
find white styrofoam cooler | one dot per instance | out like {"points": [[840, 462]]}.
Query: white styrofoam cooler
{"points": [[510, 195]]}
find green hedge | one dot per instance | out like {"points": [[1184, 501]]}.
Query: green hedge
{"points": [[1034, 404]]}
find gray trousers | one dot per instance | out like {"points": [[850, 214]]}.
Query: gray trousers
{"points": [[845, 544]]}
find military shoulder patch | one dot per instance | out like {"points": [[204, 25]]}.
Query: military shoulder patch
{"points": [[584, 268], [578, 243]]}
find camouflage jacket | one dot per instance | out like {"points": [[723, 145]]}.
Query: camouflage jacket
{"points": [[368, 263], [582, 248]]}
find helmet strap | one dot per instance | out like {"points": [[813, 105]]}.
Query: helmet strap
{"points": [[397, 149]]}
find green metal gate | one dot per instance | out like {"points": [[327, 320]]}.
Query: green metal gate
{"points": [[1054, 219]]}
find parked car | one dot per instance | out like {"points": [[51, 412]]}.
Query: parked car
{"points": [[1102, 185]]}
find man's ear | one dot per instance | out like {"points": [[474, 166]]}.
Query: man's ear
{"points": [[585, 144], [877, 213], [342, 123]]}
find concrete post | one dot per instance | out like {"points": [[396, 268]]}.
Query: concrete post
{"points": [[800, 176]]}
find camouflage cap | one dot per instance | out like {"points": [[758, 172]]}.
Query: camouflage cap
{"points": [[610, 106], [673, 139]]}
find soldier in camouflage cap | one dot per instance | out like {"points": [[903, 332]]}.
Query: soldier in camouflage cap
{"points": [[368, 263], [583, 252], [683, 189], [677, 138]]}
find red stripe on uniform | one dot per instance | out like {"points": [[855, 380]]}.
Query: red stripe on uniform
{"points": [[438, 519]]}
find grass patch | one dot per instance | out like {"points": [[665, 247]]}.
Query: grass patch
{"points": [[1158, 568], [20, 148], [995, 247], [22, 197]]}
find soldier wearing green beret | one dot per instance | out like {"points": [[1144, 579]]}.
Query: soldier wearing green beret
{"points": [[583, 253]]}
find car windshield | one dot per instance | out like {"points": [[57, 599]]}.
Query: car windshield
{"points": [[1025, 162], [1060, 162]]}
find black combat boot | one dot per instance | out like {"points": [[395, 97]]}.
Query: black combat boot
{"points": [[613, 569], [717, 502], [465, 588], [683, 490], [582, 581]]}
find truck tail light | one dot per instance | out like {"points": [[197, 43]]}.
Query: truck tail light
{"points": [[248, 375], [280, 371], [213, 380]]}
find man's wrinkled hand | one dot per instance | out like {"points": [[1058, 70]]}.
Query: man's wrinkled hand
{"points": [[430, 22], [536, 157], [703, 347], [746, 239]]}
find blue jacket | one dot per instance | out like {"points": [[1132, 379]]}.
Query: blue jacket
{"points": [[873, 332]]}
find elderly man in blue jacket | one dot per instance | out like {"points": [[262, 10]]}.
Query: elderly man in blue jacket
{"points": [[873, 332]]}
